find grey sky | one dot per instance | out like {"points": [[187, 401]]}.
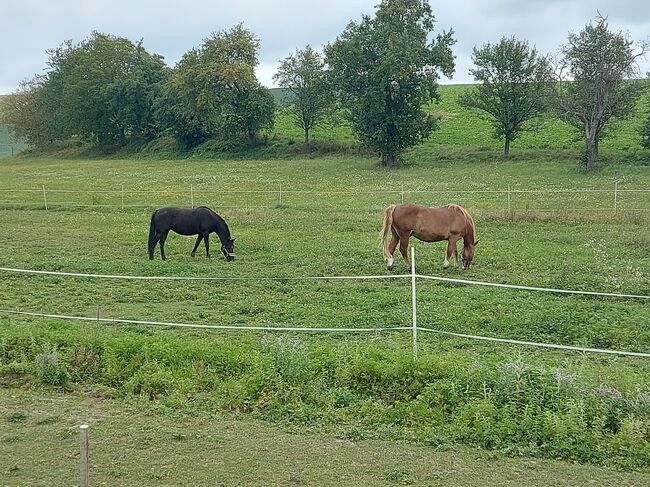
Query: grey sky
{"points": [[172, 27]]}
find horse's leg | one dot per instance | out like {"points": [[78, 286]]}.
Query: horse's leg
{"points": [[162, 244], [404, 250], [391, 249], [196, 245], [206, 239], [451, 249]]}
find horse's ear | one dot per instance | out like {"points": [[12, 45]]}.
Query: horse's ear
{"points": [[475, 243]]}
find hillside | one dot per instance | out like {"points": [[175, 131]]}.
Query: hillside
{"points": [[458, 126]]}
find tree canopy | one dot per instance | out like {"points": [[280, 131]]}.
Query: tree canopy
{"points": [[303, 75], [102, 90], [514, 84], [594, 81], [385, 70], [213, 91]]}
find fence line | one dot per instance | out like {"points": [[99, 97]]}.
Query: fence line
{"points": [[506, 199], [535, 344], [198, 325], [531, 288], [321, 278], [413, 329], [203, 278]]}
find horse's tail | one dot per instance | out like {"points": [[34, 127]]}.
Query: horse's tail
{"points": [[152, 235], [383, 234]]}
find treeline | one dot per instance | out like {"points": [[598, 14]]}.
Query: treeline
{"points": [[380, 74]]}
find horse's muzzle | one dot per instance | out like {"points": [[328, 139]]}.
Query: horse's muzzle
{"points": [[230, 258]]}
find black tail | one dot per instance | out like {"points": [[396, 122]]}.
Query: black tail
{"points": [[152, 236]]}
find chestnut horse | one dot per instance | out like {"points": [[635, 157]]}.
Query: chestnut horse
{"points": [[451, 223]]}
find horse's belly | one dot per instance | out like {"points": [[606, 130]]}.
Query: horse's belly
{"points": [[184, 229], [429, 237]]}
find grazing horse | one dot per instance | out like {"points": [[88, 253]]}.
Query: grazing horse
{"points": [[190, 221], [451, 223]]}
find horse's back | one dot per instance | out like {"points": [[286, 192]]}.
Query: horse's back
{"points": [[186, 221], [430, 224]]}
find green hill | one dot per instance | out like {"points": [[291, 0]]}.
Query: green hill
{"points": [[7, 142], [464, 127]]}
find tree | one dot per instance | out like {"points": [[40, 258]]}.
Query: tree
{"points": [[303, 74], [213, 91], [644, 130], [593, 82], [385, 69], [102, 90], [514, 84]]}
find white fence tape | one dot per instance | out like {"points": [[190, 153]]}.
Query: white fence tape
{"points": [[532, 288], [413, 328], [323, 329], [198, 325], [318, 278], [201, 278], [536, 344]]}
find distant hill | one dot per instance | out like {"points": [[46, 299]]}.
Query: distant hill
{"points": [[7, 142], [282, 96]]}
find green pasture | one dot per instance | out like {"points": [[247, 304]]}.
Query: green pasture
{"points": [[506, 399]]}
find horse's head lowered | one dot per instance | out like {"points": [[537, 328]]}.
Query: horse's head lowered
{"points": [[468, 254], [228, 249]]}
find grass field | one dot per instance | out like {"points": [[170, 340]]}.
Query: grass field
{"points": [[507, 399]]}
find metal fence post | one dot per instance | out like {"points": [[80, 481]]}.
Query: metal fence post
{"points": [[83, 458], [402, 193], [280, 201], [45, 197], [192, 194], [414, 306], [615, 196], [122, 196]]}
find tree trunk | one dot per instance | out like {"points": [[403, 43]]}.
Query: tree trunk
{"points": [[388, 160], [506, 148], [307, 140], [592, 152], [252, 138]]}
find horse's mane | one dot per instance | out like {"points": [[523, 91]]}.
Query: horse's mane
{"points": [[471, 228]]}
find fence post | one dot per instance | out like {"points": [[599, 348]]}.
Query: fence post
{"points": [[509, 207], [192, 194], [402, 193], [280, 201], [83, 458], [414, 306], [615, 196], [122, 196], [45, 197]]}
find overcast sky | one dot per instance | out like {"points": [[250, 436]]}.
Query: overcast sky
{"points": [[171, 27]]}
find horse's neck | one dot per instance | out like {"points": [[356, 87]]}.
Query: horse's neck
{"points": [[222, 230]]}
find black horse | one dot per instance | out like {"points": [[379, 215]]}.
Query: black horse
{"points": [[190, 221]]}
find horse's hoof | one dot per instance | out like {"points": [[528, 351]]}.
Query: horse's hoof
{"points": [[390, 267]]}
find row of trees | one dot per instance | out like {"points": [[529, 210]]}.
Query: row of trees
{"points": [[381, 73]]}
